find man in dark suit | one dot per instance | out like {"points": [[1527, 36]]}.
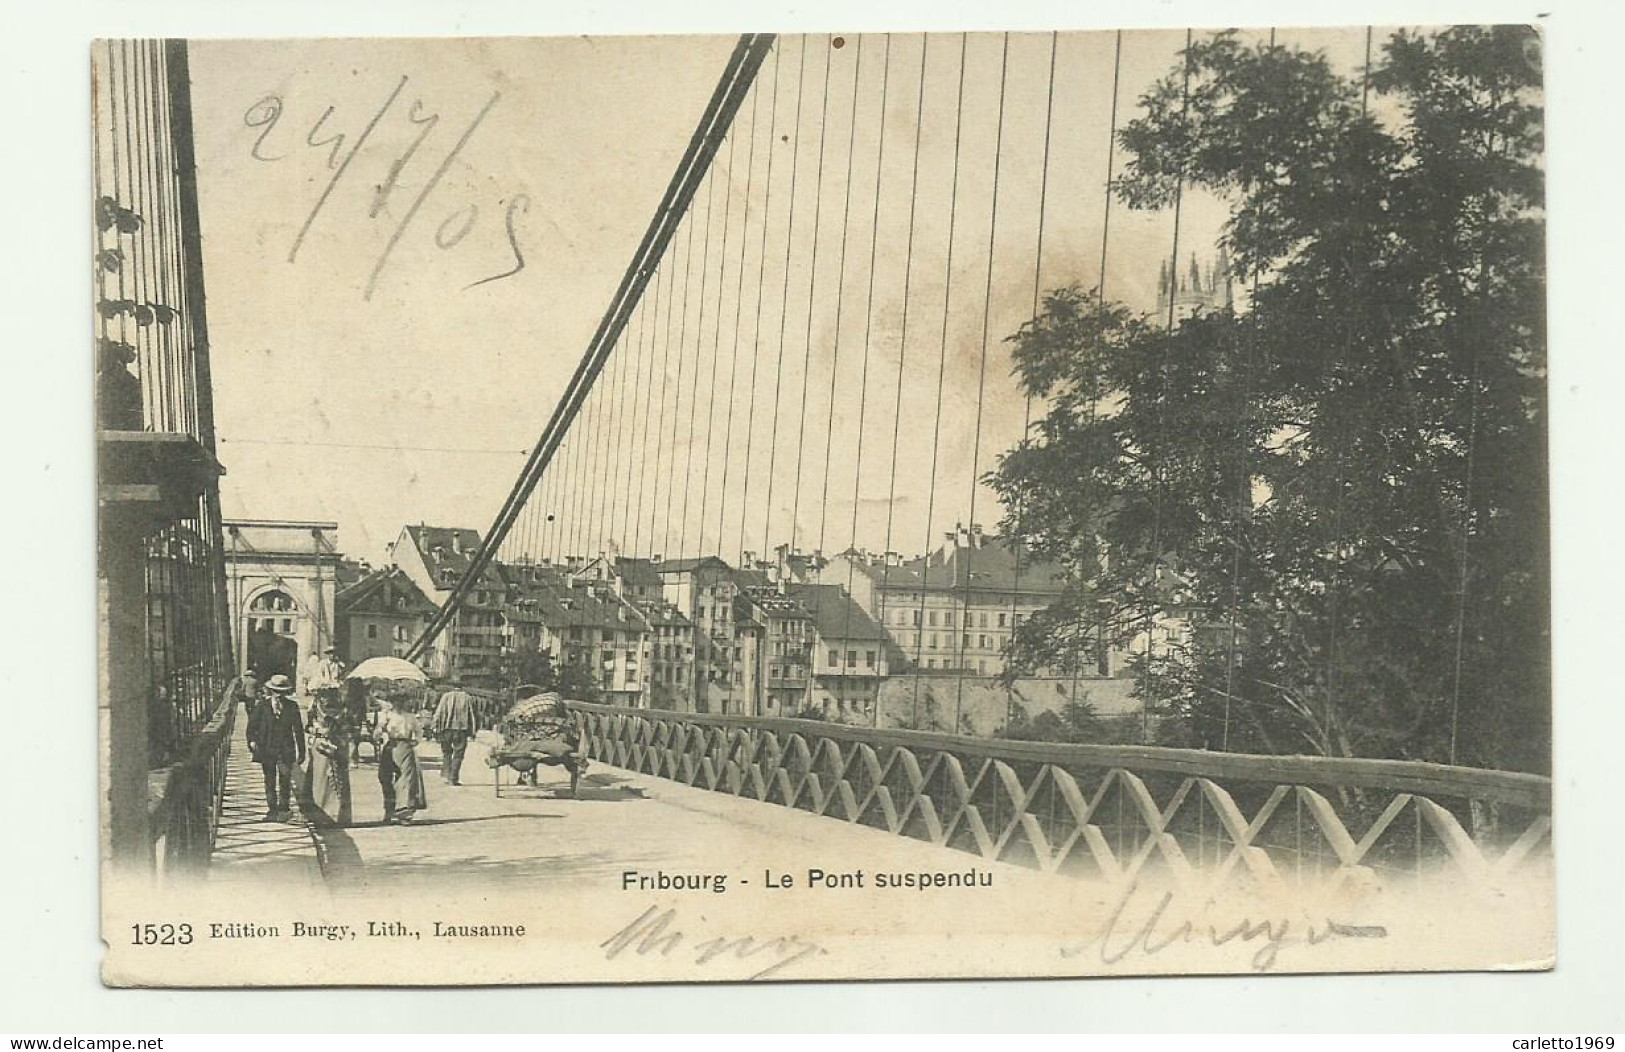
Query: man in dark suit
{"points": [[276, 739]]}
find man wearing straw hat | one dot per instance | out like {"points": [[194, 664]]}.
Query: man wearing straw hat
{"points": [[324, 678], [276, 740]]}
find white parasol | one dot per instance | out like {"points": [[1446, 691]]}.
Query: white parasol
{"points": [[392, 668]]}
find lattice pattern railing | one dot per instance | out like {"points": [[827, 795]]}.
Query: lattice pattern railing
{"points": [[1208, 820]]}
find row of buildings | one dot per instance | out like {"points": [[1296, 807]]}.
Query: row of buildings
{"points": [[771, 637]]}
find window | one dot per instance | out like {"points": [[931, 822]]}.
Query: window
{"points": [[933, 641], [400, 633], [834, 657], [985, 644], [983, 622], [869, 658], [916, 619], [930, 662], [852, 658], [372, 630], [966, 644], [932, 617], [1001, 620]]}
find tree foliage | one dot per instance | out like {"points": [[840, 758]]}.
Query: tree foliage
{"points": [[1344, 477], [1076, 722], [539, 669]]}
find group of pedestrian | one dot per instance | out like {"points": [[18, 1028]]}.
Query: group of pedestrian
{"points": [[281, 738]]}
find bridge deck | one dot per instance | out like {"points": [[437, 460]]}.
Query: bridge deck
{"points": [[619, 821]]}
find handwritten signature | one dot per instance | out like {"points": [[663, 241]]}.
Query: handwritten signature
{"points": [[1160, 929], [267, 113], [654, 932]]}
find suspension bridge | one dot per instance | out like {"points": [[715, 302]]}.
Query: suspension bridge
{"points": [[808, 349]]}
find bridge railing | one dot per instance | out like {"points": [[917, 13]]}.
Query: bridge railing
{"points": [[186, 815], [1106, 811]]}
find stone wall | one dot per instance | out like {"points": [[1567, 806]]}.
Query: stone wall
{"points": [[952, 704]]}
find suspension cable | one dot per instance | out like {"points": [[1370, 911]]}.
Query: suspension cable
{"points": [[739, 318], [1158, 473], [840, 300], [682, 354], [942, 361], [1013, 542], [737, 77], [761, 278], [1100, 324], [812, 289], [784, 301], [694, 381], [716, 354], [643, 479], [902, 351], [962, 636]]}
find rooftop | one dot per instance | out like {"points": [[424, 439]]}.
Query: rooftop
{"points": [[448, 551], [992, 563], [836, 614], [386, 591], [546, 594]]}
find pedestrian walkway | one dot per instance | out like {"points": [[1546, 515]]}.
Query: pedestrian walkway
{"points": [[250, 850]]}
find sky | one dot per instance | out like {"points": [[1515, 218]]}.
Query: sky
{"points": [[380, 358]]}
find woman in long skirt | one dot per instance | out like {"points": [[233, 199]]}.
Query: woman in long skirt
{"points": [[399, 775], [332, 734]]}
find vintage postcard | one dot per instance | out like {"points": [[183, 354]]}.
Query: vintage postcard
{"points": [[650, 509]]}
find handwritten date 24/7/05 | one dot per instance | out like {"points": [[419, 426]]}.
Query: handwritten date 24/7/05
{"points": [[271, 144]]}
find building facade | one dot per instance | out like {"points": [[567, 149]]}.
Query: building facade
{"points": [[784, 654], [471, 647], [954, 609], [707, 590], [582, 621], [850, 659], [670, 677], [380, 615]]}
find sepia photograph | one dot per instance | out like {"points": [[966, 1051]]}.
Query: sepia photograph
{"points": [[841, 506]]}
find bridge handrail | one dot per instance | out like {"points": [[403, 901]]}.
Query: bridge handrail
{"points": [[187, 814], [1517, 789]]}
